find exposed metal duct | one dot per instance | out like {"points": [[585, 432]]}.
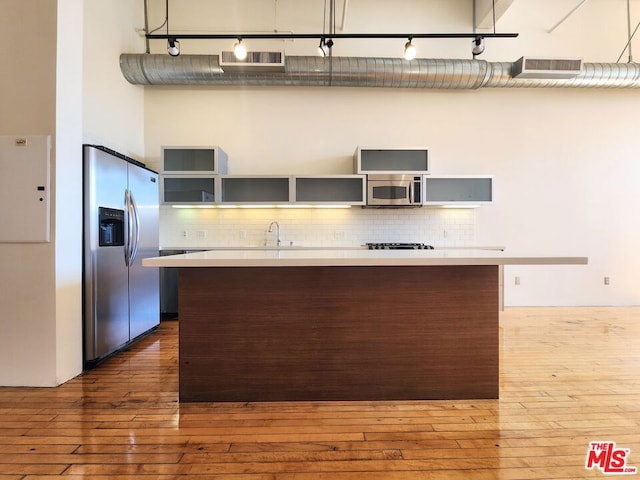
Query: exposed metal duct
{"points": [[156, 69]]}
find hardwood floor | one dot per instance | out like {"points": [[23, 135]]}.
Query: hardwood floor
{"points": [[568, 377]]}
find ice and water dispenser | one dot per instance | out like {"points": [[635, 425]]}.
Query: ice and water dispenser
{"points": [[111, 232]]}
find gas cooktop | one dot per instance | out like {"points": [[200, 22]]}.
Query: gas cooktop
{"points": [[399, 246]]}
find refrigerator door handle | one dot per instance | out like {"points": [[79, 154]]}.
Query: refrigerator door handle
{"points": [[128, 236], [136, 232]]}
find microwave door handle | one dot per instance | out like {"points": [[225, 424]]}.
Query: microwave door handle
{"points": [[410, 192]]}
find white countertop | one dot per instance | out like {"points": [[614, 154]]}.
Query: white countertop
{"points": [[302, 247], [288, 257]]}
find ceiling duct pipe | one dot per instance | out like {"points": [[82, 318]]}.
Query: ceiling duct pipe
{"points": [[156, 69]]}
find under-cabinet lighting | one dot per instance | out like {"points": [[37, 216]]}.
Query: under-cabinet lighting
{"points": [[193, 206], [260, 206], [460, 206], [244, 206], [326, 206]]}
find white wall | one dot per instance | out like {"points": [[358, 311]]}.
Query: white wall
{"points": [[563, 159], [27, 282], [567, 173], [41, 92], [68, 188], [113, 109], [564, 182]]}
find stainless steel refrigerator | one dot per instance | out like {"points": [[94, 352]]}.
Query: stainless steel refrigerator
{"points": [[121, 297]]}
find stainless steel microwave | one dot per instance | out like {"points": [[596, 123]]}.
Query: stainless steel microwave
{"points": [[394, 190]]}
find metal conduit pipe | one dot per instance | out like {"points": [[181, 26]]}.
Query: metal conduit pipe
{"points": [[156, 69]]}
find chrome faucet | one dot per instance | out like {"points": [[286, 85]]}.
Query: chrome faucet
{"points": [[277, 231]]}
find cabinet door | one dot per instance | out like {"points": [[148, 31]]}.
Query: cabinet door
{"points": [[331, 189], [189, 189], [392, 160], [464, 190], [191, 160], [241, 189]]}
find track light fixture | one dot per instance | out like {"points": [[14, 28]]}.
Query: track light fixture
{"points": [[409, 50], [173, 47], [324, 47], [239, 50], [477, 45]]}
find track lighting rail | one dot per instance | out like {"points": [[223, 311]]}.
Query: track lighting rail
{"points": [[326, 39], [317, 36]]}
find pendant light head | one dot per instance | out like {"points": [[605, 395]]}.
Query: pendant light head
{"points": [[173, 47], [322, 48], [477, 45], [325, 47], [239, 51], [409, 50]]}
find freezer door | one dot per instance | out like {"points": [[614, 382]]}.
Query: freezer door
{"points": [[144, 282], [106, 315]]}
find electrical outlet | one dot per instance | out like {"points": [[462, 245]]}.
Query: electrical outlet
{"points": [[340, 235], [607, 281], [517, 280], [243, 234], [201, 234], [185, 234]]}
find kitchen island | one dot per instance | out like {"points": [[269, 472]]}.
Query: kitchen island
{"points": [[357, 324]]}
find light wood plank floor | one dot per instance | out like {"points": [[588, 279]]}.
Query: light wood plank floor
{"points": [[568, 377]]}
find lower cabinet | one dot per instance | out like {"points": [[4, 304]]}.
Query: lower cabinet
{"points": [[169, 286]]}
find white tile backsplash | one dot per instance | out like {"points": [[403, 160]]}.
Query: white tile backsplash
{"points": [[201, 228]]}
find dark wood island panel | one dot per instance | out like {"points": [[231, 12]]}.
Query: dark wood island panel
{"points": [[338, 333]]}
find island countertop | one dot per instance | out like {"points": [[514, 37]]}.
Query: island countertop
{"points": [[286, 257]]}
